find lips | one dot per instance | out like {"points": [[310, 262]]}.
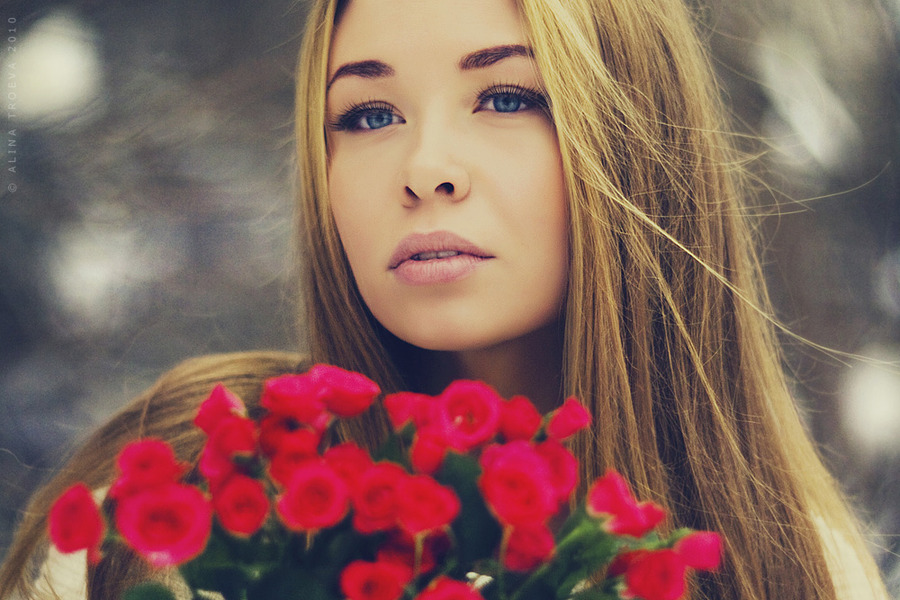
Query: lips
{"points": [[434, 246], [437, 257]]}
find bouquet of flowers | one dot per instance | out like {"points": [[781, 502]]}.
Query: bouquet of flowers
{"points": [[468, 499]]}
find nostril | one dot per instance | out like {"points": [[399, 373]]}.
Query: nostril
{"points": [[445, 187]]}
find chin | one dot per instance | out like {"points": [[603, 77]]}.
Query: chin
{"points": [[452, 340]]}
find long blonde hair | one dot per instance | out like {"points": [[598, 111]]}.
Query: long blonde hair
{"points": [[668, 334]]}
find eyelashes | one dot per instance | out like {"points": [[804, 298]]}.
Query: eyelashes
{"points": [[508, 98], [373, 114], [499, 98]]}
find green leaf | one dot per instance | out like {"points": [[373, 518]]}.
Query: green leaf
{"points": [[395, 447], [477, 532], [293, 583], [149, 591]]}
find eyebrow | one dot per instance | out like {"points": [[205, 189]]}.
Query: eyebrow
{"points": [[479, 59], [368, 69], [490, 56]]}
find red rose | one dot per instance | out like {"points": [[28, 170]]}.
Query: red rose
{"points": [[528, 546], [362, 580], [563, 468], [428, 451], [400, 548], [519, 419], [167, 525], [220, 404], [345, 393], [515, 482], [424, 504], [568, 419], [241, 505], [349, 461], [444, 588], [467, 413], [316, 497], [273, 428], [235, 436], [609, 497], [621, 563], [295, 449], [75, 522], [145, 464], [655, 575], [296, 396], [700, 550], [403, 407], [375, 498]]}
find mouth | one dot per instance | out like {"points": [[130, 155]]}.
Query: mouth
{"points": [[435, 246]]}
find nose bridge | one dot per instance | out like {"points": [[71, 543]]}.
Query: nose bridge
{"points": [[434, 167]]}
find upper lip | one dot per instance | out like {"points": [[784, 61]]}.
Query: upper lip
{"points": [[437, 241]]}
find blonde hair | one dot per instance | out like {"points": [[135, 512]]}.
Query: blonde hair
{"points": [[668, 337], [668, 334]]}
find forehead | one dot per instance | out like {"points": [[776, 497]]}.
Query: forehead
{"points": [[382, 29]]}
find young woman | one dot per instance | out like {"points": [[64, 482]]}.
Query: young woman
{"points": [[536, 193]]}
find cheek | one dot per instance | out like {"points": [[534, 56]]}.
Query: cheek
{"points": [[537, 202], [348, 218]]}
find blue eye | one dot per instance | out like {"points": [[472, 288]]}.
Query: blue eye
{"points": [[366, 116], [376, 119], [510, 99], [507, 102]]}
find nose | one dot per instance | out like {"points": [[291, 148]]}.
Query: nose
{"points": [[432, 171]]}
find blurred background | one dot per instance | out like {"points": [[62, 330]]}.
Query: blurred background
{"points": [[147, 185]]}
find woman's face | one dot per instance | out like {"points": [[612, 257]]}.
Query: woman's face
{"points": [[445, 176]]}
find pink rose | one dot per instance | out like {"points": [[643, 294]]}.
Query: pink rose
{"points": [[221, 403], [655, 575], [424, 504], [295, 449], [405, 407], [233, 437], [345, 393], [145, 464], [519, 419], [610, 498], [428, 451], [297, 397], [375, 498], [316, 497], [467, 414], [241, 505], [167, 525], [567, 420], [528, 547], [349, 461], [75, 522], [363, 580], [563, 468], [701, 550], [516, 483]]}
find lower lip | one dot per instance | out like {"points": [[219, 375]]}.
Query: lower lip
{"points": [[438, 270]]}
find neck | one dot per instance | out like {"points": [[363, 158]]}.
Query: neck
{"points": [[529, 366]]}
